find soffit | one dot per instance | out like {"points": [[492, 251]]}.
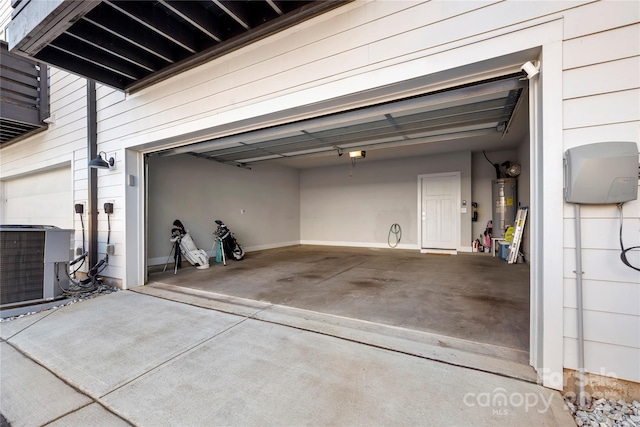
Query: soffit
{"points": [[129, 44]]}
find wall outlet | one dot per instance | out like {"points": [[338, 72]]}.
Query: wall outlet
{"points": [[242, 211], [111, 249], [78, 251], [80, 208]]}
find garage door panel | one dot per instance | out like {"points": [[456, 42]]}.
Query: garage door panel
{"points": [[44, 198], [54, 181]]}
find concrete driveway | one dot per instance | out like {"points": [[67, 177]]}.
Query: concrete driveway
{"points": [[131, 358], [473, 302]]}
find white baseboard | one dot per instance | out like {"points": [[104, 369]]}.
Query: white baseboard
{"points": [[211, 253], [447, 251], [159, 260], [439, 251], [358, 244], [406, 246], [270, 246]]}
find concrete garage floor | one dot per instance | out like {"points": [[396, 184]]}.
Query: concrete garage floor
{"points": [[472, 298]]}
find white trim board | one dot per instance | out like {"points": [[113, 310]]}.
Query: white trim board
{"points": [[162, 260], [439, 251], [359, 244]]}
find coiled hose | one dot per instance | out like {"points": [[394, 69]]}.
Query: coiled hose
{"points": [[396, 231]]}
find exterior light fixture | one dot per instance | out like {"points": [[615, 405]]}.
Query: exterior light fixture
{"points": [[102, 163]]}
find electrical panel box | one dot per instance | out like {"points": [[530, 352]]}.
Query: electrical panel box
{"points": [[602, 173]]}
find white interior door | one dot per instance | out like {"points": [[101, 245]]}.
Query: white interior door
{"points": [[440, 194]]}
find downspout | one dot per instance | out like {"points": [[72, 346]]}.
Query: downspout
{"points": [[92, 151]]}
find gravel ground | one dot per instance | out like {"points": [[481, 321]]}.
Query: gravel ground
{"points": [[100, 290], [601, 412]]}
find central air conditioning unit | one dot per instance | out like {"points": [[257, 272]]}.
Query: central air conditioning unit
{"points": [[32, 263]]}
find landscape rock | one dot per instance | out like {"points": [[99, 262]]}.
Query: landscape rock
{"points": [[601, 412]]}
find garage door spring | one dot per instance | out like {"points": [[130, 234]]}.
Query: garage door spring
{"points": [[397, 232]]}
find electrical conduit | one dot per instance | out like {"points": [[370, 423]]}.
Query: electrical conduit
{"points": [[580, 381]]}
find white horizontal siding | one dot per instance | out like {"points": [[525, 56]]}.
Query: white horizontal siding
{"points": [[627, 131], [630, 209], [70, 114], [602, 47], [5, 17], [601, 92], [610, 297], [602, 78], [614, 107], [603, 265], [602, 233], [603, 359], [604, 327], [66, 88], [419, 27], [103, 91], [600, 16], [446, 29], [111, 193], [306, 58]]}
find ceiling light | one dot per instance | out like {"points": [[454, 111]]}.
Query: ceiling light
{"points": [[103, 163], [357, 154]]}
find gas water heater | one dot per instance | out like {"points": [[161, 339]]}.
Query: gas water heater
{"points": [[505, 205]]}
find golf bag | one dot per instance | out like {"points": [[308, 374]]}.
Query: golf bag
{"points": [[230, 245], [181, 238]]}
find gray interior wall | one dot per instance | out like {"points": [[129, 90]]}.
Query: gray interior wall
{"points": [[198, 191], [336, 208]]}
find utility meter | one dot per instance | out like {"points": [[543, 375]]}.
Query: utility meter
{"points": [[602, 173]]}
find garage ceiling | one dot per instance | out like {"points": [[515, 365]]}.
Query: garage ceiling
{"points": [[477, 113], [130, 44]]}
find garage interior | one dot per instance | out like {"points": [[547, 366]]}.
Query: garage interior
{"points": [[316, 222]]}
